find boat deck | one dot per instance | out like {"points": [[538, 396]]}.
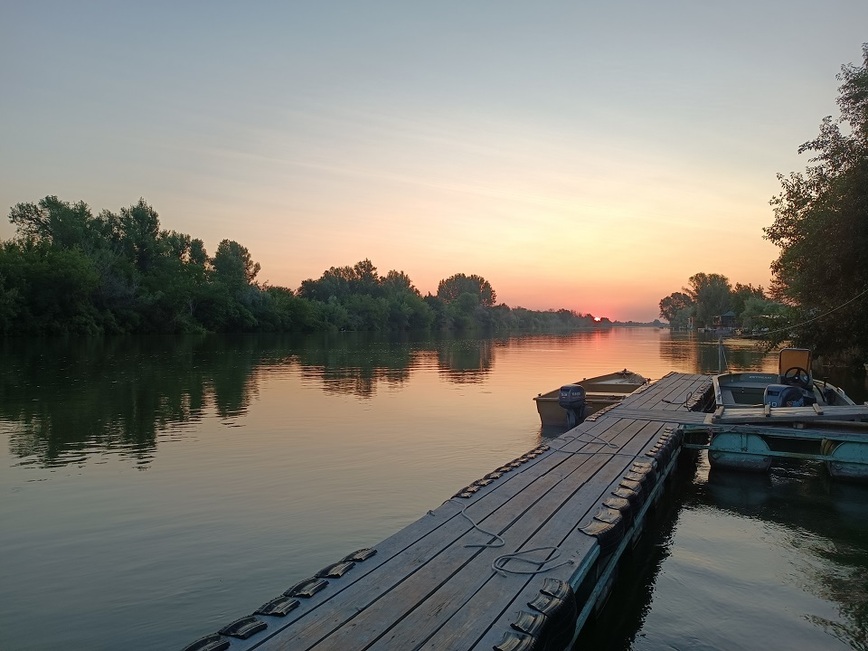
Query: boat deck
{"points": [[516, 560]]}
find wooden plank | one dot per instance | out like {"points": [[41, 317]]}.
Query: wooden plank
{"points": [[495, 632], [548, 523], [671, 392], [792, 414], [487, 613], [422, 536], [655, 392], [674, 417]]}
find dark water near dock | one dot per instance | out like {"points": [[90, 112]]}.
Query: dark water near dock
{"points": [[154, 489]]}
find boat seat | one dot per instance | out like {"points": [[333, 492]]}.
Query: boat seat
{"points": [[794, 358]]}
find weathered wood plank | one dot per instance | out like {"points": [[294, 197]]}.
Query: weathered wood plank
{"points": [[790, 414], [490, 609], [575, 537], [658, 415], [670, 392], [455, 617]]}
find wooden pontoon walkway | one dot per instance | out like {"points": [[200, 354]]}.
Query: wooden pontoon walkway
{"points": [[515, 561]]}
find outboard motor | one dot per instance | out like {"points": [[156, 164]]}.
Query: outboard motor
{"points": [[572, 398], [784, 395]]}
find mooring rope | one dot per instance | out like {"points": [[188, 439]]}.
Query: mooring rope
{"points": [[685, 403], [500, 541], [499, 563], [594, 439]]}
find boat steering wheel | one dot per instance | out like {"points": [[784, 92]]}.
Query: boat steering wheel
{"points": [[797, 376]]}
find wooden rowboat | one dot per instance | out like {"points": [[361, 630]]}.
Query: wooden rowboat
{"points": [[600, 391]]}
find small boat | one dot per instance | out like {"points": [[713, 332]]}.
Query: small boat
{"points": [[568, 405], [792, 386], [788, 413]]}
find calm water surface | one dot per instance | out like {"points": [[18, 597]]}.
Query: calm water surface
{"points": [[153, 490]]}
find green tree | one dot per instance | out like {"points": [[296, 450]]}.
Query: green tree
{"points": [[675, 307], [49, 288], [451, 289], [365, 278], [342, 282], [759, 312], [137, 229], [233, 266], [740, 295], [821, 227], [710, 294], [397, 281], [55, 222]]}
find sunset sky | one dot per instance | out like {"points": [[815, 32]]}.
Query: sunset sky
{"points": [[590, 156]]}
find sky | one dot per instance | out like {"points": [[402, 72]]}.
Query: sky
{"points": [[588, 156]]}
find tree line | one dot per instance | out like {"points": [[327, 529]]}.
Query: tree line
{"points": [[69, 271], [710, 300]]}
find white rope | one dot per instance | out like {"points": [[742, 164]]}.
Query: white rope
{"points": [[500, 541], [499, 563], [684, 403]]}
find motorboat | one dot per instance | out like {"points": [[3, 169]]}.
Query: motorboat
{"points": [[569, 404], [760, 416], [792, 386]]}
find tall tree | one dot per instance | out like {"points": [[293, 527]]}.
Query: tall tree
{"points": [[55, 222], [710, 294], [821, 227], [740, 295], [450, 289], [673, 308], [140, 230], [397, 281], [233, 266]]}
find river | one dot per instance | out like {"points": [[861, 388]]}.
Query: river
{"points": [[154, 489]]}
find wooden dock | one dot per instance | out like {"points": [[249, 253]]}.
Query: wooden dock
{"points": [[518, 560]]}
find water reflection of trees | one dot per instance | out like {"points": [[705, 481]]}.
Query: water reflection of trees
{"points": [[618, 624], [355, 363], [73, 398], [831, 522], [694, 352], [465, 361], [835, 513]]}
